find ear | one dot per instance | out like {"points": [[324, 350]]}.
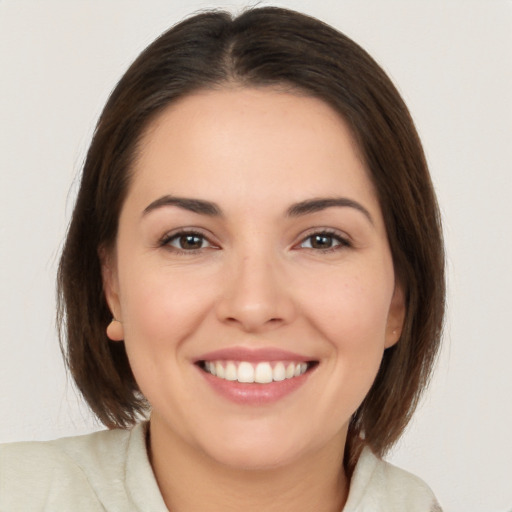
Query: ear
{"points": [[396, 316], [111, 290]]}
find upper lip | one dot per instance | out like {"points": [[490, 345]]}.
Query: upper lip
{"points": [[253, 355]]}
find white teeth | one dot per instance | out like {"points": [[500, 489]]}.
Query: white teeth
{"points": [[261, 373], [245, 372], [219, 370], [279, 372], [300, 369], [231, 373], [210, 367]]}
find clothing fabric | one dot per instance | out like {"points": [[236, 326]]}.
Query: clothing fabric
{"points": [[109, 471]]}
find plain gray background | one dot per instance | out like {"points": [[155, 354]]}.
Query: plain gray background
{"points": [[452, 62]]}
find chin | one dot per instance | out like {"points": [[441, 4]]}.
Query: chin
{"points": [[254, 458], [259, 448]]}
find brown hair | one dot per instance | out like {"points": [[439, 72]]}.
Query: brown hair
{"points": [[276, 47]]}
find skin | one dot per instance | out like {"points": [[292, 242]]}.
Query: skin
{"points": [[256, 280]]}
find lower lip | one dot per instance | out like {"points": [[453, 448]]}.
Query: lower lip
{"points": [[254, 393]]}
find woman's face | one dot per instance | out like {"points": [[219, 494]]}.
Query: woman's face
{"points": [[251, 247]]}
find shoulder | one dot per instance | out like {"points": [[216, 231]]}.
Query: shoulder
{"points": [[69, 472], [378, 486]]}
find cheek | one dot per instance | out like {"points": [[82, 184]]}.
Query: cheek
{"points": [[160, 306], [351, 316], [160, 313], [351, 309]]}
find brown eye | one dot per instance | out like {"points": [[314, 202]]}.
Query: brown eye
{"points": [[188, 242], [323, 241]]}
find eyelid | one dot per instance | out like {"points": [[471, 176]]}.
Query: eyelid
{"points": [[184, 231], [342, 237]]}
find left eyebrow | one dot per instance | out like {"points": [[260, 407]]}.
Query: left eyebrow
{"points": [[192, 205], [319, 204]]}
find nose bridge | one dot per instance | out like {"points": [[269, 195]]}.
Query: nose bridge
{"points": [[254, 294]]}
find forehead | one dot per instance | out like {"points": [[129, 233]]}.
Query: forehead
{"points": [[258, 143]]}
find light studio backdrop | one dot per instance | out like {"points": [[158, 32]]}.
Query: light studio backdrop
{"points": [[451, 60]]}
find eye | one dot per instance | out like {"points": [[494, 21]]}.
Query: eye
{"points": [[186, 241], [324, 241]]}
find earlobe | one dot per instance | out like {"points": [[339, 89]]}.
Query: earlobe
{"points": [[114, 330], [396, 317]]}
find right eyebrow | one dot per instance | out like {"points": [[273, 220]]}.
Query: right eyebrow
{"points": [[193, 205], [322, 203]]}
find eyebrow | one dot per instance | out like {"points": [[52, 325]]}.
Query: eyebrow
{"points": [[193, 205], [319, 204], [211, 209]]}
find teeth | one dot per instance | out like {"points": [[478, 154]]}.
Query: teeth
{"points": [[210, 367], [245, 372], [279, 372], [231, 373], [219, 370], [261, 373]]}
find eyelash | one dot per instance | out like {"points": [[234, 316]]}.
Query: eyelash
{"points": [[168, 238], [341, 242]]}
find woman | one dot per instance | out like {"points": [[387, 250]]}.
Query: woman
{"points": [[254, 261]]}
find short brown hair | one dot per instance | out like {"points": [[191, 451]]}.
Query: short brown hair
{"points": [[261, 47]]}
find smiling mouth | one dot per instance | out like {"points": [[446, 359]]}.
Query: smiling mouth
{"points": [[263, 372]]}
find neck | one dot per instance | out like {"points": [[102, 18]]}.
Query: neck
{"points": [[190, 480]]}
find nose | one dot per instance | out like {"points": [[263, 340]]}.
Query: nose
{"points": [[256, 295]]}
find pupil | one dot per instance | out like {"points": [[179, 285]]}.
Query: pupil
{"points": [[321, 241], [191, 242]]}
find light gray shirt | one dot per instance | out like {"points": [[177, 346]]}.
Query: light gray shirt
{"points": [[110, 471]]}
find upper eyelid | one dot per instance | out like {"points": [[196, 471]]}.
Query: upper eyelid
{"points": [[173, 233], [342, 235]]}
